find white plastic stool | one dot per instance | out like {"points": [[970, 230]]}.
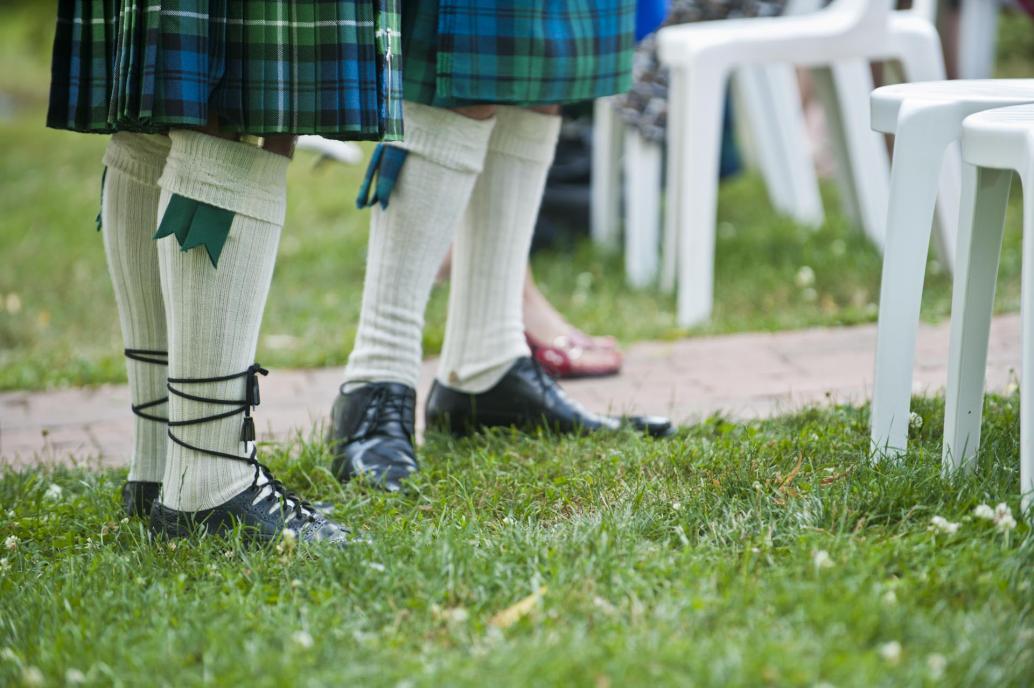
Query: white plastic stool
{"points": [[927, 121], [703, 55], [997, 144]]}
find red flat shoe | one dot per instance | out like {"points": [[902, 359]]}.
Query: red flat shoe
{"points": [[587, 341], [562, 358]]}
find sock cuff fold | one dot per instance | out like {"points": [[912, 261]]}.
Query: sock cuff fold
{"points": [[525, 134], [230, 175], [139, 156], [446, 137]]}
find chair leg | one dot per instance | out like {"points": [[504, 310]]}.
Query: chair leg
{"points": [[670, 246], [643, 160], [861, 151], [913, 195], [1027, 343], [699, 115], [606, 173], [985, 194], [946, 221], [769, 98], [978, 31]]}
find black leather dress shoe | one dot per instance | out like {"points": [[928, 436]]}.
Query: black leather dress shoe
{"points": [[526, 397], [371, 432], [264, 513], [138, 496]]}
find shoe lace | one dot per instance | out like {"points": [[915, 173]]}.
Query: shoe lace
{"points": [[153, 357], [391, 406], [271, 489]]}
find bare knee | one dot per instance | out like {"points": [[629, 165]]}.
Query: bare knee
{"points": [[476, 111], [546, 109]]}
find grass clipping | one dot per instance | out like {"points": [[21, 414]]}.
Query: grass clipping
{"points": [[518, 610]]}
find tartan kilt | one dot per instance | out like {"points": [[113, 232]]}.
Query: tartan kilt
{"points": [[258, 67], [517, 52]]}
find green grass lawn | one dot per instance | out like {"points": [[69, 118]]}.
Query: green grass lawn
{"points": [[765, 553], [58, 324], [737, 554]]}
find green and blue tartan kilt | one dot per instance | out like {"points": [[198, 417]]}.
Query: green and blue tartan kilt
{"points": [[258, 67], [518, 52]]}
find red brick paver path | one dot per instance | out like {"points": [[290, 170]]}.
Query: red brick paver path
{"points": [[743, 376]]}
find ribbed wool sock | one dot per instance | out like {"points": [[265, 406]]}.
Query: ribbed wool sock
{"points": [[409, 240], [215, 313], [129, 212], [485, 330]]}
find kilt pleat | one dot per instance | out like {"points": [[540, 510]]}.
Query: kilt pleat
{"points": [[256, 66]]}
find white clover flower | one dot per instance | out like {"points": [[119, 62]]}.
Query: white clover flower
{"points": [[5, 564], [376, 566], [676, 506], [984, 512], [53, 492], [74, 677], [805, 277], [32, 676], [302, 639], [915, 422], [889, 598], [936, 664], [943, 525], [821, 560], [1003, 518], [11, 542], [891, 652]]}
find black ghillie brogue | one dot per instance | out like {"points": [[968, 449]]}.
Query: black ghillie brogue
{"points": [[526, 398], [372, 434], [138, 496], [266, 510]]}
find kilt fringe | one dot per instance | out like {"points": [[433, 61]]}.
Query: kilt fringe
{"points": [[196, 224]]}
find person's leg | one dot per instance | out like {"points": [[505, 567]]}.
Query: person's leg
{"points": [[373, 416], [485, 330], [410, 238], [129, 212], [562, 349], [215, 300], [486, 376]]}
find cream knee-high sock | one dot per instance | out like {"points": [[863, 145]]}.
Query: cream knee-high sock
{"points": [[214, 313], [129, 212], [485, 330], [410, 238]]}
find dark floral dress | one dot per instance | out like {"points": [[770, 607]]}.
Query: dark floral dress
{"points": [[645, 106]]}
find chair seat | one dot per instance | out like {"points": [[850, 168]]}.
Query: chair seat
{"points": [[972, 95], [1002, 138]]}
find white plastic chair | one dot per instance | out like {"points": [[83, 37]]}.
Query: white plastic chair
{"points": [[996, 144], [978, 38], [926, 119], [345, 152], [702, 56], [769, 113]]}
